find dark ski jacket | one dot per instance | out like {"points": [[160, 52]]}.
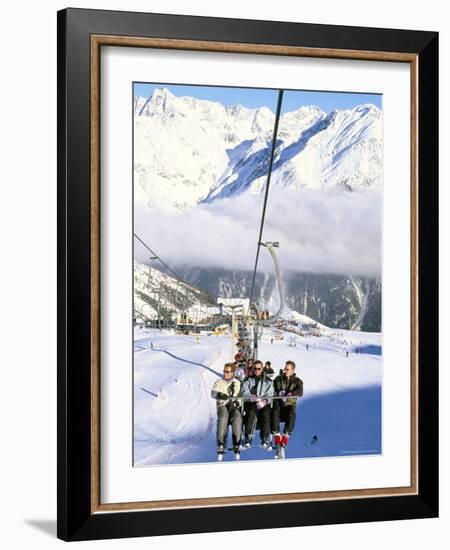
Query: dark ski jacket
{"points": [[268, 371], [292, 385]]}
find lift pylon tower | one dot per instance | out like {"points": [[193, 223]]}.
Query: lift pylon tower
{"points": [[259, 323]]}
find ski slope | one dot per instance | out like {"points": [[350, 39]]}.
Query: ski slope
{"points": [[175, 417]]}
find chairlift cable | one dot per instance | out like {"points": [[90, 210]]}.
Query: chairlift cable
{"points": [[272, 153], [176, 276], [161, 260]]}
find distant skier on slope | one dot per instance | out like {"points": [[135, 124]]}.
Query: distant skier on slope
{"points": [[228, 411], [286, 385]]}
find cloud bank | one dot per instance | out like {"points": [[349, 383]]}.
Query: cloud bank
{"points": [[334, 232]]}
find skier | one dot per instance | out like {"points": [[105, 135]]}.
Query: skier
{"points": [[228, 410], [239, 371], [286, 385], [248, 369], [258, 388], [268, 370]]}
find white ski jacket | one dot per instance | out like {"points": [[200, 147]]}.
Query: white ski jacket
{"points": [[229, 387]]}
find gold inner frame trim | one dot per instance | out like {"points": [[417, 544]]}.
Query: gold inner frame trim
{"points": [[243, 48]]}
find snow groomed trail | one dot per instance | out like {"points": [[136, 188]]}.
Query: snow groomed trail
{"points": [[175, 417]]}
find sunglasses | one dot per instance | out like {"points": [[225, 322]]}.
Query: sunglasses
{"points": [[257, 368], [227, 371]]}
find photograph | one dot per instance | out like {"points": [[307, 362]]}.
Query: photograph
{"points": [[257, 273], [247, 271], [228, 223]]}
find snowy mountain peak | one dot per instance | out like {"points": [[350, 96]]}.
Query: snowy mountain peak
{"points": [[161, 101], [190, 150], [367, 108], [360, 111], [236, 110], [161, 93], [306, 111], [263, 121]]}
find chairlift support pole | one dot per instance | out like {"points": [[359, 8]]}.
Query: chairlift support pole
{"points": [[233, 328], [159, 308]]}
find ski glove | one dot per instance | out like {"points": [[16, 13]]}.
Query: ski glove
{"points": [[220, 395]]}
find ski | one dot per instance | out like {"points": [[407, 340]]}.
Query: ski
{"points": [[280, 452]]}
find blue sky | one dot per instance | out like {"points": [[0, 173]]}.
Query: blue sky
{"points": [[257, 97]]}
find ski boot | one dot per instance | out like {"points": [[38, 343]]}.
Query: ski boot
{"points": [[277, 440], [265, 445], [220, 453], [237, 452], [284, 442]]}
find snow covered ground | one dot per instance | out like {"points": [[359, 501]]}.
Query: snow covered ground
{"points": [[175, 417]]}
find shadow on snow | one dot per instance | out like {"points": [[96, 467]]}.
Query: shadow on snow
{"points": [[187, 361], [343, 423], [369, 349]]}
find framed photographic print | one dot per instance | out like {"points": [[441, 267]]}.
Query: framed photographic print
{"points": [[247, 254]]}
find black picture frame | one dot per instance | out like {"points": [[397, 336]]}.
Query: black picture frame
{"points": [[76, 518]]}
